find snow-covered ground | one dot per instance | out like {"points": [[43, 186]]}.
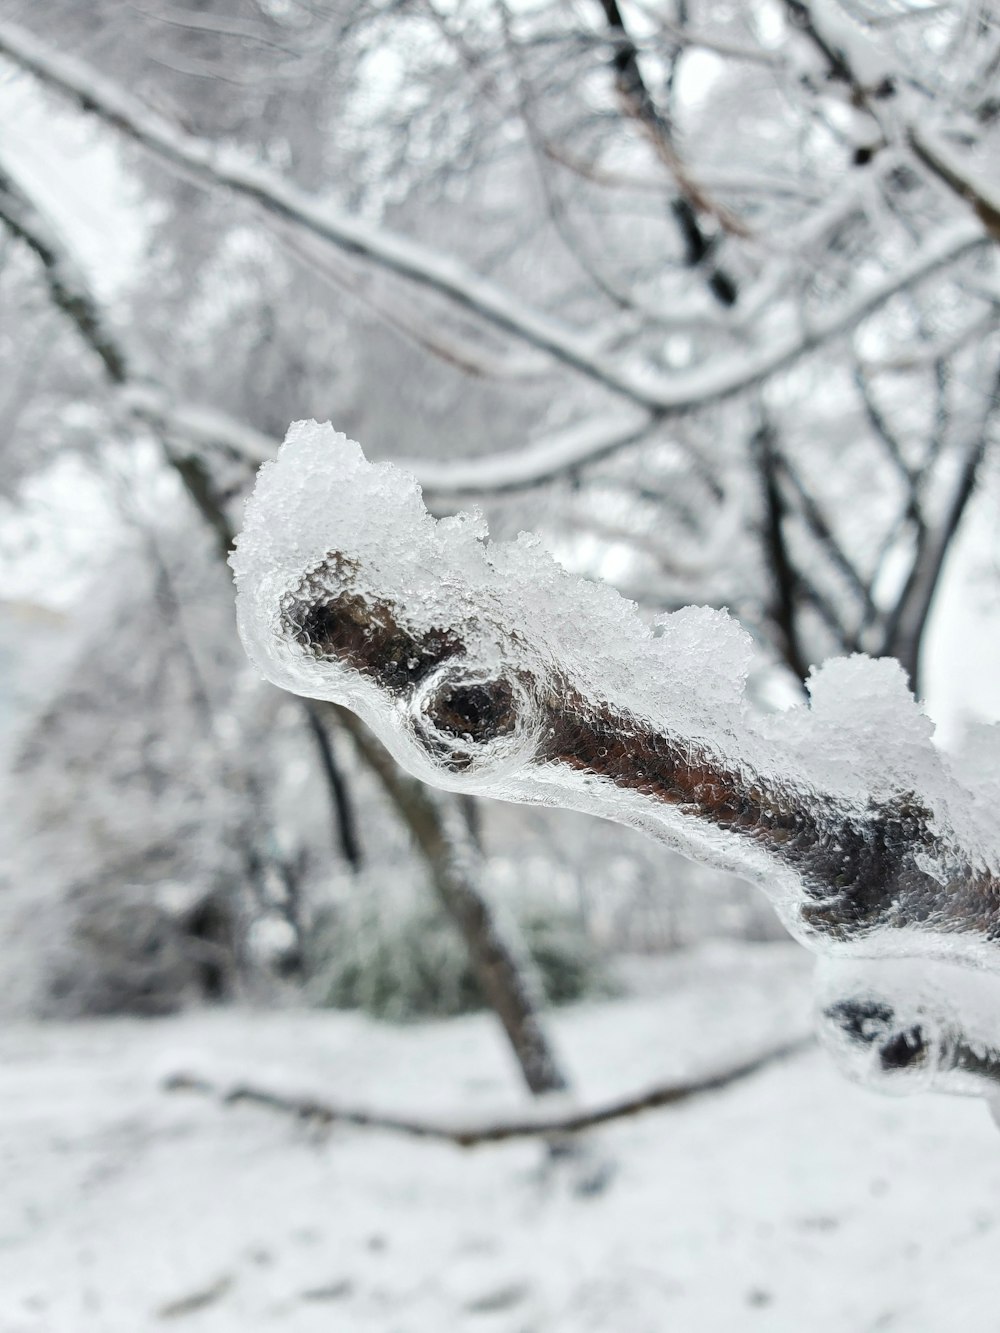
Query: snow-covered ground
{"points": [[792, 1201]]}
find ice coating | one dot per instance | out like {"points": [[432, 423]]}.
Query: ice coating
{"points": [[911, 1024], [486, 667], [324, 523]]}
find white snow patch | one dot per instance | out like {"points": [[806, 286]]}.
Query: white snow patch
{"points": [[791, 1201]]}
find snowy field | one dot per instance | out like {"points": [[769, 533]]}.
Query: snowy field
{"points": [[791, 1201]]}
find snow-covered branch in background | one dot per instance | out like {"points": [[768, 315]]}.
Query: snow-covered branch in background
{"points": [[535, 463], [199, 427], [68, 287], [188, 435], [487, 668], [591, 441], [291, 210], [218, 166]]}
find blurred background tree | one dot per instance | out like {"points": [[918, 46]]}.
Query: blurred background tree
{"points": [[704, 292]]}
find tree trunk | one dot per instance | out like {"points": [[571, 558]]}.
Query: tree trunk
{"points": [[441, 832]]}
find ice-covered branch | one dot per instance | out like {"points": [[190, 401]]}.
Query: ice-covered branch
{"points": [[487, 668]]}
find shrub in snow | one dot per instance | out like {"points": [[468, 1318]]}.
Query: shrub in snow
{"points": [[118, 950], [402, 960]]}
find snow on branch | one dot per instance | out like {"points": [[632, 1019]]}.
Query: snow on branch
{"points": [[67, 285], [280, 203], [196, 427], [192, 428], [217, 165], [485, 667], [199, 427], [139, 395], [535, 463], [960, 175]]}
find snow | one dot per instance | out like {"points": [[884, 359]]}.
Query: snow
{"points": [[790, 1201]]}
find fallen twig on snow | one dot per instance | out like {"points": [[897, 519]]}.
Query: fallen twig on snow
{"points": [[552, 1117]]}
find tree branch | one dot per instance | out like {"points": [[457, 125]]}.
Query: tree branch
{"points": [[487, 671], [345, 822], [215, 166], [784, 577], [958, 175], [821, 530], [546, 1122], [200, 428], [541, 461], [506, 979], [905, 628], [535, 463], [691, 200], [66, 284]]}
